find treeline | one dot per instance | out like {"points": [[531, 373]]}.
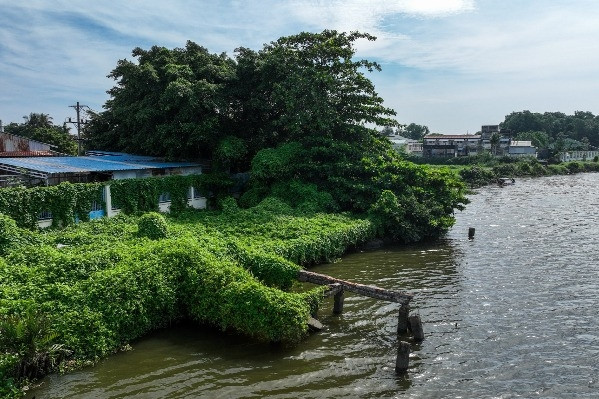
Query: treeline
{"points": [[555, 130]]}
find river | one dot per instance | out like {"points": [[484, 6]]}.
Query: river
{"points": [[512, 313]]}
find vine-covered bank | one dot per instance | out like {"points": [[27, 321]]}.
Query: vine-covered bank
{"points": [[74, 295]]}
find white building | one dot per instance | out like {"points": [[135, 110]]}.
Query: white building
{"points": [[101, 166], [521, 149]]}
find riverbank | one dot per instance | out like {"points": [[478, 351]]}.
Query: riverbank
{"points": [[481, 175], [73, 296]]}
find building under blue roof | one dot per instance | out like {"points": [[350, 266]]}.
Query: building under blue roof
{"points": [[108, 165]]}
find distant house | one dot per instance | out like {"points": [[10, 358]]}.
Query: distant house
{"points": [[99, 166], [440, 145], [578, 156], [505, 136], [521, 149], [12, 145], [401, 143]]}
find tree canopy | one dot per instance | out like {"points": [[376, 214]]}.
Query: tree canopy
{"points": [[299, 113], [578, 131]]}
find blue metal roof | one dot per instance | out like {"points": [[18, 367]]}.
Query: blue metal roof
{"points": [[105, 163]]}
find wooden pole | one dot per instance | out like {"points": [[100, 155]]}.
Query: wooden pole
{"points": [[338, 305], [403, 358], [366, 290], [416, 327], [471, 232], [402, 320]]}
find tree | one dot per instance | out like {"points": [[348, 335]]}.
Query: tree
{"points": [[305, 84], [300, 112], [494, 140], [539, 140], [35, 120], [387, 131], [170, 103], [415, 132]]}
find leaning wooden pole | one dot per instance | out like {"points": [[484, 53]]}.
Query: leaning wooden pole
{"points": [[366, 290]]}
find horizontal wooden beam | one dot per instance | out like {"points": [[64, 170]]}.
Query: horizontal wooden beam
{"points": [[366, 290]]}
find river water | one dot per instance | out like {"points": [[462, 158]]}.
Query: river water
{"points": [[512, 313]]}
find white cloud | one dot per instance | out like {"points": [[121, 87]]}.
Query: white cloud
{"points": [[455, 51]]}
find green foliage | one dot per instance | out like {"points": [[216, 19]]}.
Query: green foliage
{"points": [[65, 201], [304, 196], [9, 234], [230, 152], [141, 195], [105, 287], [414, 131], [555, 129], [152, 225], [477, 176], [229, 205], [170, 103]]}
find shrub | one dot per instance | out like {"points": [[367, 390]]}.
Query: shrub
{"points": [[574, 167], [229, 205], [9, 233], [152, 225]]}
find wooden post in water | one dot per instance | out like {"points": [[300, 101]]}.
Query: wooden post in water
{"points": [[402, 320], [403, 358], [416, 327], [471, 232], [338, 305]]}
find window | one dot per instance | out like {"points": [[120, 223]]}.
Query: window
{"points": [[164, 197], [45, 215], [197, 193], [96, 206]]}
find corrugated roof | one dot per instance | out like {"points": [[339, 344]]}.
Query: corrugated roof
{"points": [[11, 154], [452, 136], [52, 165]]}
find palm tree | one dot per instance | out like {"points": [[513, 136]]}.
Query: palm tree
{"points": [[35, 120]]}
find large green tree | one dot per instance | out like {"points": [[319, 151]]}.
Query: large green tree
{"points": [[415, 131], [170, 103]]}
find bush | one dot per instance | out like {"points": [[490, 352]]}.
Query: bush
{"points": [[574, 167], [9, 234], [229, 205], [152, 225], [477, 176]]}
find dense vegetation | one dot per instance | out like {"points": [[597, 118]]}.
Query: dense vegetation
{"points": [[480, 174], [74, 295], [555, 130], [294, 114]]}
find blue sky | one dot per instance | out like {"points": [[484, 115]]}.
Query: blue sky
{"points": [[452, 65]]}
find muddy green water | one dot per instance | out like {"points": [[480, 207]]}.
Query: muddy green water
{"points": [[512, 313]]}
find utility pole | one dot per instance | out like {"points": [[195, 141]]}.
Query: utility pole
{"points": [[79, 122]]}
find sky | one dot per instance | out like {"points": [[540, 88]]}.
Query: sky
{"points": [[452, 65]]}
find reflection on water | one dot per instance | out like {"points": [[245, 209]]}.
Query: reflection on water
{"points": [[512, 313]]}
